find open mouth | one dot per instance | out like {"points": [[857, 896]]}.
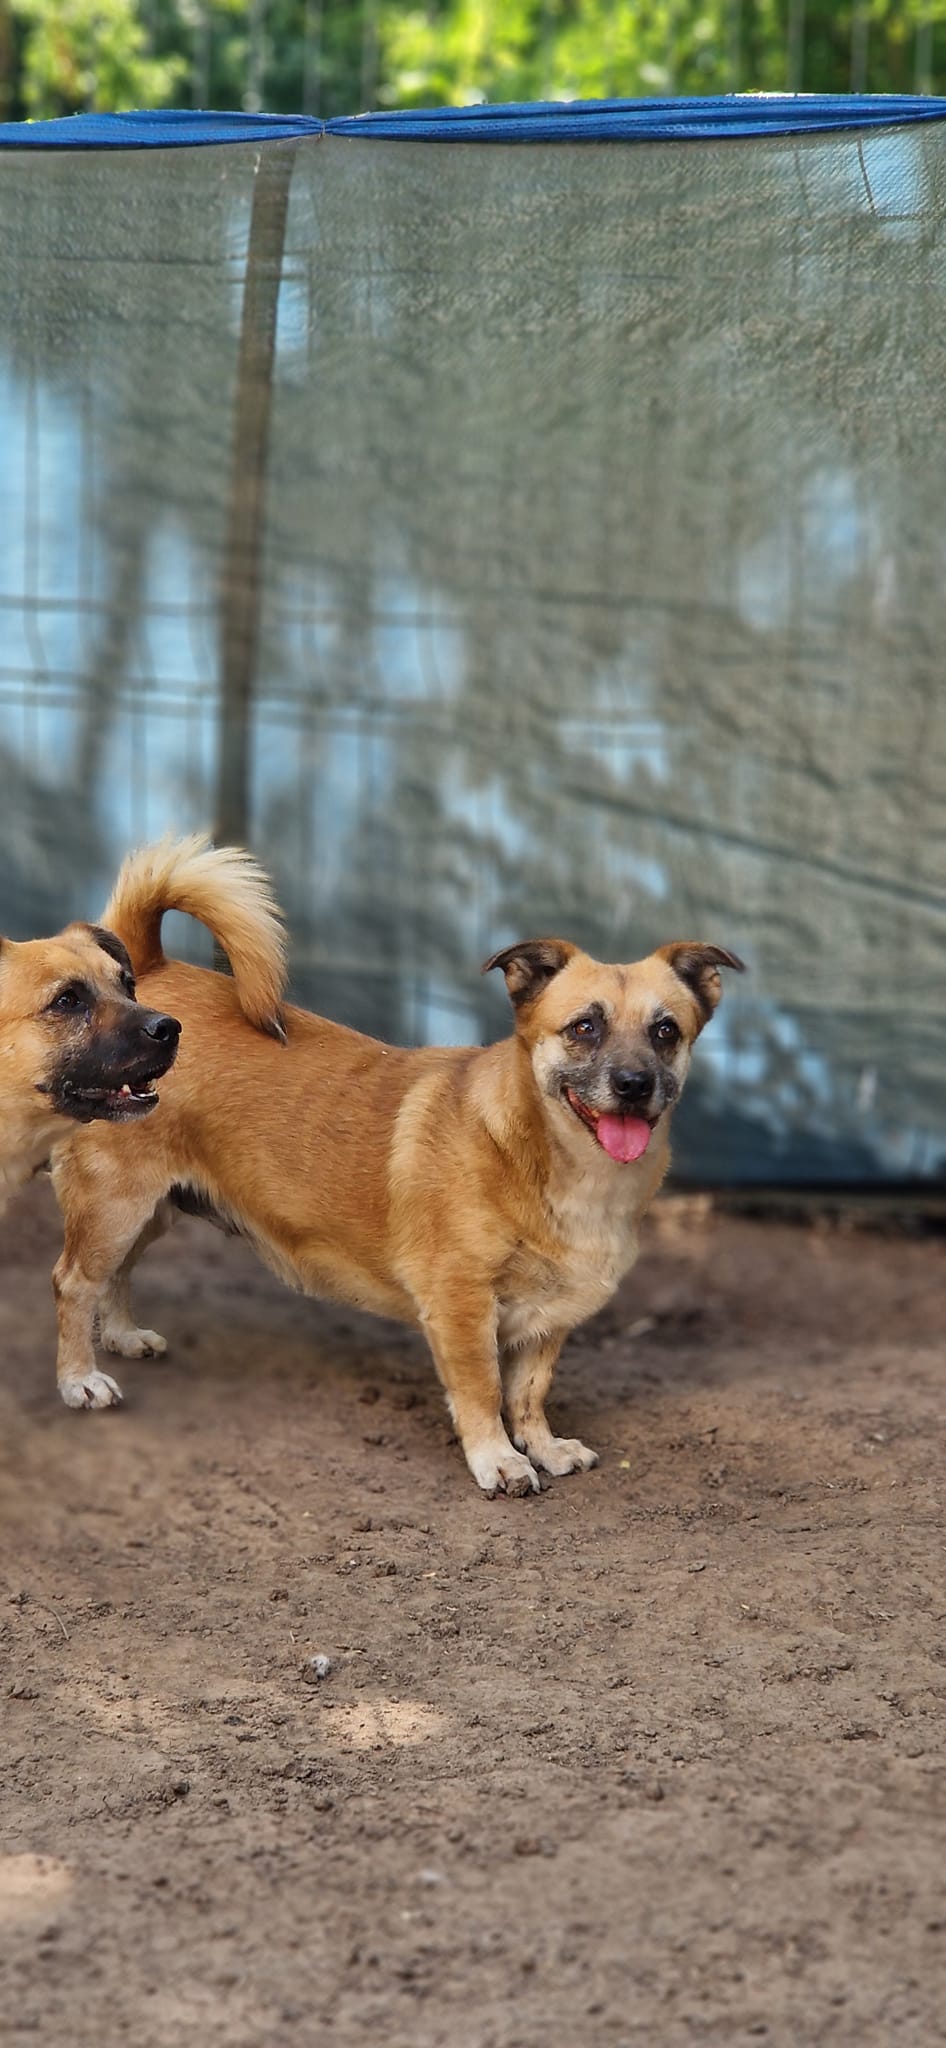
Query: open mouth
{"points": [[623, 1138], [109, 1105]]}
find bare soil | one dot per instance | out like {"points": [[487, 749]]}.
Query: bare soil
{"points": [[655, 1758]]}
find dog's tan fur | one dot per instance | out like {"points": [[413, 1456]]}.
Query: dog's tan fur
{"points": [[452, 1189], [39, 1042]]}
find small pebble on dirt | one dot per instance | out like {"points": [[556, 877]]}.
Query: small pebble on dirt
{"points": [[642, 1327], [316, 1668], [535, 1845]]}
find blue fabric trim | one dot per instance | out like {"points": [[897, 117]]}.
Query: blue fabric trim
{"points": [[153, 129], [650, 120]]}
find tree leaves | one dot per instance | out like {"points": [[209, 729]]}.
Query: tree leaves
{"points": [[344, 56]]}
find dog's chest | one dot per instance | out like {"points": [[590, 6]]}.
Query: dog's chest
{"points": [[591, 1246]]}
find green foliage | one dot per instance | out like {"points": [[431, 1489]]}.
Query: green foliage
{"points": [[465, 50], [90, 53], [339, 56]]}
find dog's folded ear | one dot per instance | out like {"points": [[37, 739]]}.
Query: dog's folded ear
{"points": [[112, 945], [698, 965], [529, 965]]}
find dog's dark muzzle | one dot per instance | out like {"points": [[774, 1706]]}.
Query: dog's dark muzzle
{"points": [[112, 1078]]}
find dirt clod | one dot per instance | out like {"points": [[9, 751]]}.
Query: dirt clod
{"points": [[316, 1668]]}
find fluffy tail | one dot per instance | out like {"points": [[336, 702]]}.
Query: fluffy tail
{"points": [[225, 890]]}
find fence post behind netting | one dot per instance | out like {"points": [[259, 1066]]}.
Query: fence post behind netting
{"points": [[241, 582]]}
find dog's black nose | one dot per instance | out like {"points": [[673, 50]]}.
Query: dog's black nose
{"points": [[632, 1085], [164, 1030]]}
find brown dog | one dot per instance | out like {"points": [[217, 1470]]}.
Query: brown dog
{"points": [[73, 1044], [491, 1197]]}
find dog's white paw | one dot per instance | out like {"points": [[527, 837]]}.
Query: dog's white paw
{"points": [[90, 1390], [503, 1471], [132, 1343], [560, 1454], [567, 1454]]}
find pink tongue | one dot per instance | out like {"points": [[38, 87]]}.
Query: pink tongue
{"points": [[624, 1137]]}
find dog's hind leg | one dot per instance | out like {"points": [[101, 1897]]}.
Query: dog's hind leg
{"points": [[118, 1330], [527, 1377]]}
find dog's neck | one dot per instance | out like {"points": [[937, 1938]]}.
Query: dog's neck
{"points": [[509, 1104], [583, 1182], [26, 1140]]}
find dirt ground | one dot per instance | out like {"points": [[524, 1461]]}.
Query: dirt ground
{"points": [[655, 1758]]}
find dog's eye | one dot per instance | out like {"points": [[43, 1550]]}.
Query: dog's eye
{"points": [[584, 1030], [128, 984], [72, 998], [665, 1032]]}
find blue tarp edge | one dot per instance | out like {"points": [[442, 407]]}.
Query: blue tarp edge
{"points": [[650, 120]]}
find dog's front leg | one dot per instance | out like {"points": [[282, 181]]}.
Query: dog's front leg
{"points": [[118, 1330], [527, 1377], [89, 1259], [461, 1333]]}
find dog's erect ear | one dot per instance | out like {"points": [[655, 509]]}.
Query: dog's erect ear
{"points": [[529, 966], [698, 967], [114, 947]]}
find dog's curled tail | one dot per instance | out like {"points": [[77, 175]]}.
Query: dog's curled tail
{"points": [[225, 890]]}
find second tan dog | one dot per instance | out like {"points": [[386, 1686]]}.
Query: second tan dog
{"points": [[491, 1197], [74, 1044]]}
